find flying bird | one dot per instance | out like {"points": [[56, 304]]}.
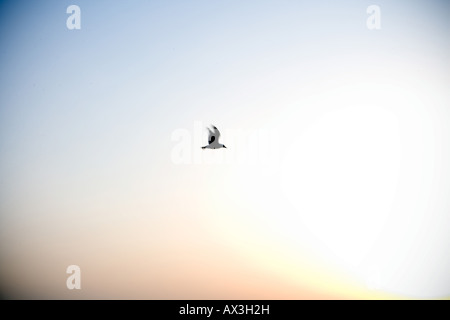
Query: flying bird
{"points": [[213, 139]]}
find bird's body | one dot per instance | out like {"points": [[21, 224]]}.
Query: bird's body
{"points": [[214, 145], [213, 139]]}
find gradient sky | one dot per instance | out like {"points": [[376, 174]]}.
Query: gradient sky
{"points": [[353, 204]]}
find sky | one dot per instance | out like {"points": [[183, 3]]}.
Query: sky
{"points": [[334, 183]]}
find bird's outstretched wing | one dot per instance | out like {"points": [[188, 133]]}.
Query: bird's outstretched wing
{"points": [[211, 136], [216, 132]]}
